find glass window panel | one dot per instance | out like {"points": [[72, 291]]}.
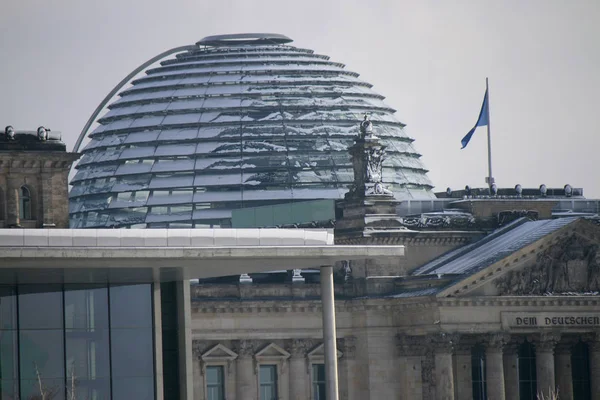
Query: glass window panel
{"points": [[40, 307], [318, 376], [53, 389], [87, 353], [41, 351], [8, 308], [8, 355], [214, 383], [88, 389], [133, 388], [9, 390], [132, 352], [268, 382], [86, 307], [131, 306]]}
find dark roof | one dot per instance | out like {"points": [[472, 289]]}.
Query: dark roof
{"points": [[26, 141], [494, 247]]}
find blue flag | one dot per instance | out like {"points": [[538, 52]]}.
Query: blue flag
{"points": [[481, 121]]}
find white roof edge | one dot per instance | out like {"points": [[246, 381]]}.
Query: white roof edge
{"points": [[163, 237]]}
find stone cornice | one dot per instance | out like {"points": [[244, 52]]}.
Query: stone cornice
{"points": [[520, 301]]}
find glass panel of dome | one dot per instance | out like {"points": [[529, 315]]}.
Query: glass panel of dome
{"points": [[174, 165], [275, 194], [191, 104], [152, 107], [172, 180], [137, 168], [174, 149], [217, 180], [181, 119], [147, 121], [119, 124], [218, 196], [141, 137], [178, 134], [132, 182]]}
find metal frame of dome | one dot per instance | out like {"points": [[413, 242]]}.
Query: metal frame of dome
{"points": [[226, 126]]}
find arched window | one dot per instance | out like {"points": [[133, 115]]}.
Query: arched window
{"points": [[25, 203], [527, 372], [580, 362], [478, 372]]}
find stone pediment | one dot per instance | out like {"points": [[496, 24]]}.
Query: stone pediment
{"points": [[318, 353], [272, 352], [219, 353], [566, 262]]}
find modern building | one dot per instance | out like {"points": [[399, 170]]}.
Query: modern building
{"points": [[234, 121]]}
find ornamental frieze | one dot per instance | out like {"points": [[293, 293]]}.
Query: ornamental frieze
{"points": [[571, 266]]}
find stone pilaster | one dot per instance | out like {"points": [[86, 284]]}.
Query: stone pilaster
{"points": [[564, 374], [246, 378], [510, 360], [346, 367], [463, 370], [12, 202], [412, 350], [495, 366], [299, 376], [444, 344], [544, 355]]}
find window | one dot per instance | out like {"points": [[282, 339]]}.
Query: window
{"points": [[268, 382], [478, 372], [318, 382], [527, 372], [580, 361], [25, 203], [215, 388]]}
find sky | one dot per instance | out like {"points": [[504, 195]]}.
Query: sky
{"points": [[430, 58]]}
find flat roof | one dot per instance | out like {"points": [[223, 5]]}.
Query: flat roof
{"points": [[154, 255]]}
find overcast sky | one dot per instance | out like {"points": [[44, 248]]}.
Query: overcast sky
{"points": [[59, 58]]}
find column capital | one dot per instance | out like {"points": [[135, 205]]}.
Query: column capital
{"points": [[496, 341], [246, 348], [546, 341], [198, 348], [298, 348], [347, 346], [413, 345], [592, 339], [444, 342]]}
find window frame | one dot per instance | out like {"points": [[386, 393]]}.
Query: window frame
{"points": [[218, 356]]}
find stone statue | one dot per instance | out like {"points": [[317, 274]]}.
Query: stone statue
{"points": [[366, 128], [42, 133], [570, 266], [9, 131]]}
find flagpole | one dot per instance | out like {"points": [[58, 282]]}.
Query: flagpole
{"points": [[490, 179]]}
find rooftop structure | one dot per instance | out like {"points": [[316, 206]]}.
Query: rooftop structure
{"points": [[234, 121]]}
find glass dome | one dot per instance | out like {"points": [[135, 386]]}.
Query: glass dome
{"points": [[234, 121]]}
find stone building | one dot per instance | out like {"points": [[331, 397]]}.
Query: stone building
{"points": [[34, 168], [497, 298]]}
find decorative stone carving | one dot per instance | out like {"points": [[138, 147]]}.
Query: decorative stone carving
{"points": [[347, 346], [299, 347], [413, 345], [368, 155], [570, 266], [496, 341], [199, 347], [546, 341], [246, 348], [505, 217]]}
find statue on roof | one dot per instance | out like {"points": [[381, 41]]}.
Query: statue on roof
{"points": [[42, 134], [366, 128]]}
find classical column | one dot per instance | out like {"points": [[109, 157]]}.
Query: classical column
{"points": [[564, 374], [412, 350], [329, 334], [299, 375], [511, 370], [347, 368], [464, 370], [246, 378], [12, 201], [594, 352], [494, 366], [444, 373], [544, 356], [197, 368]]}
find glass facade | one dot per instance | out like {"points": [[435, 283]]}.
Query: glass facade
{"points": [[478, 373], [224, 127], [268, 382], [527, 372], [76, 341], [318, 382]]}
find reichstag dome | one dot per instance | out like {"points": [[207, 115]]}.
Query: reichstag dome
{"points": [[231, 122]]}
